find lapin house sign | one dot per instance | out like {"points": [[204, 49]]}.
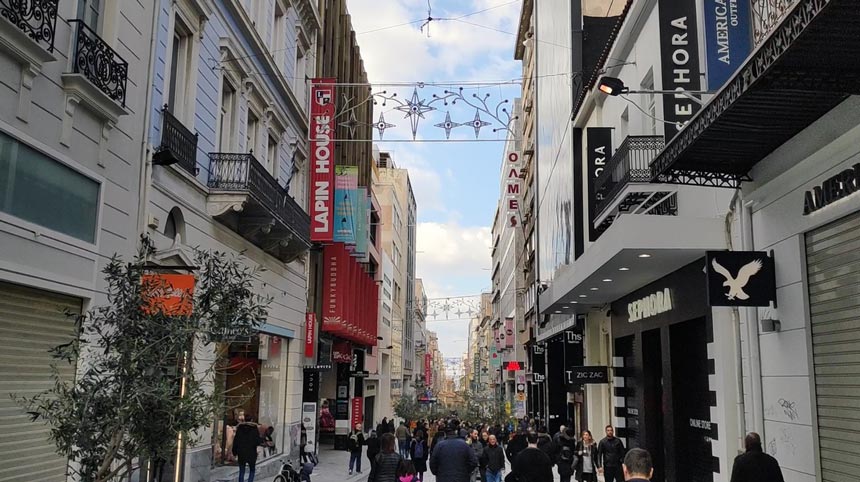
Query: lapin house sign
{"points": [[679, 52], [513, 187], [322, 158]]}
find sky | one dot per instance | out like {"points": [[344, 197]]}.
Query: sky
{"points": [[456, 184]]}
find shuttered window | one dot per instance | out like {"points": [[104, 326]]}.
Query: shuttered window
{"points": [[833, 264], [31, 322]]}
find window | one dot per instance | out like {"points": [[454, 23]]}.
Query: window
{"points": [[278, 34], [252, 132], [180, 71], [41, 190], [90, 12], [650, 104], [300, 85], [272, 155], [227, 121], [396, 292]]}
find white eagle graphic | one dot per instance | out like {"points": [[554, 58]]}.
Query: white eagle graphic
{"points": [[737, 284]]}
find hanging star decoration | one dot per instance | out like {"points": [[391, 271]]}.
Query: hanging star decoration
{"points": [[351, 124], [415, 108], [448, 125], [477, 123], [381, 125]]}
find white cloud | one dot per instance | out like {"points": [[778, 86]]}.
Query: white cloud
{"points": [[449, 252]]}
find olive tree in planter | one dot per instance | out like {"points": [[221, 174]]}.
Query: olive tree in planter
{"points": [[139, 387]]}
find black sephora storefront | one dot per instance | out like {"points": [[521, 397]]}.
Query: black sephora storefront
{"points": [[661, 333]]}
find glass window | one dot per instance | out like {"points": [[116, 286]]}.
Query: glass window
{"points": [[88, 11], [272, 155], [41, 190], [180, 70], [228, 117], [251, 133]]}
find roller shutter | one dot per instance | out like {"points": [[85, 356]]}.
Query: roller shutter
{"points": [[31, 322], [833, 263]]}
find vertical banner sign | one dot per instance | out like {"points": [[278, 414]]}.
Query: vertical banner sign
{"points": [[322, 159], [346, 181], [599, 145], [509, 332], [497, 337], [360, 211], [428, 369], [538, 363], [357, 410], [679, 53], [310, 326], [728, 38], [513, 187], [333, 272]]}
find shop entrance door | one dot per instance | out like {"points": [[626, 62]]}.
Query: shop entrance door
{"points": [[652, 399], [368, 413], [691, 401]]}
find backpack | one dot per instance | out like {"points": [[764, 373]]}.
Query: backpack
{"points": [[419, 450]]}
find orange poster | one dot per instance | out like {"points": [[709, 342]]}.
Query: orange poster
{"points": [[171, 294]]}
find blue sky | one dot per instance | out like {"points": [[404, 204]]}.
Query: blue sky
{"points": [[456, 184]]}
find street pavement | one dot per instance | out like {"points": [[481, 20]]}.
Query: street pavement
{"points": [[334, 467]]}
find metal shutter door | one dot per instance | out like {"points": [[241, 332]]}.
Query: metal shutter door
{"points": [[833, 263], [31, 322]]}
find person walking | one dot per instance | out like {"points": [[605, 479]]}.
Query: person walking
{"points": [[564, 463], [516, 444], [387, 461], [245, 444], [403, 437], [638, 466], [754, 464], [419, 451], [482, 466], [610, 455], [356, 440], [438, 437], [373, 448], [493, 460], [452, 460], [382, 428], [475, 443], [532, 464], [585, 458]]}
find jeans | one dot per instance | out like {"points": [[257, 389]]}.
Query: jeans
{"points": [[491, 476], [252, 467], [403, 445], [611, 474], [354, 460]]}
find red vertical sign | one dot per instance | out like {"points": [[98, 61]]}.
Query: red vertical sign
{"points": [[428, 369], [322, 129], [310, 341], [357, 410]]}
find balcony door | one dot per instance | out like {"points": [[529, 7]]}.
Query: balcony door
{"points": [[89, 11], [227, 120]]}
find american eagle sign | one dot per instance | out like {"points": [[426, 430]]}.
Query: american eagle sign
{"points": [[740, 278]]}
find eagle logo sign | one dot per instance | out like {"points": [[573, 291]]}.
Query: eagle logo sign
{"points": [[737, 284]]}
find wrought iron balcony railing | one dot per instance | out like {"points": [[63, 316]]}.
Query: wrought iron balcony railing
{"points": [[630, 163], [242, 172], [767, 15], [178, 144], [36, 18], [100, 64]]}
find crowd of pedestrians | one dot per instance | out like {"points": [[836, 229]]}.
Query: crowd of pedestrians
{"points": [[456, 451]]}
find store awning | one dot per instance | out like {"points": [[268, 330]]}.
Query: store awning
{"points": [[804, 69], [276, 330]]}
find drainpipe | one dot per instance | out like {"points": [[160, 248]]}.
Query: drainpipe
{"points": [[145, 160], [753, 331], [736, 333]]}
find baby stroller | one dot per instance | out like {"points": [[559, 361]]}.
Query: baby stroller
{"points": [[287, 473]]}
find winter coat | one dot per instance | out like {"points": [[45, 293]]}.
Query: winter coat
{"points": [[755, 465], [610, 453], [532, 465], [356, 440], [419, 462], [453, 461], [564, 440], [581, 450], [402, 433], [493, 458], [372, 447], [385, 468], [565, 461], [545, 443], [246, 441], [517, 444]]}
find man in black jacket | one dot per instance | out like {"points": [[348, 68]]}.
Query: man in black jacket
{"points": [[452, 459], [515, 445], [755, 465], [638, 466], [356, 440], [245, 444], [494, 460], [532, 464], [610, 455]]}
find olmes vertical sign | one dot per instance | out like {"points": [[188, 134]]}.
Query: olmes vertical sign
{"points": [[322, 130], [679, 52], [513, 187]]}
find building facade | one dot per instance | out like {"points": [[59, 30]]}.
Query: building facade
{"points": [[74, 102]]}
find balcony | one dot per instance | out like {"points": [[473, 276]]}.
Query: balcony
{"points": [[178, 144], [29, 30], [248, 200]]}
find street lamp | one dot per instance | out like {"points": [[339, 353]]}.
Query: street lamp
{"points": [[614, 86]]}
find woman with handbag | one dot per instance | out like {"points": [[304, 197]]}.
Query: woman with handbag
{"points": [[584, 461]]}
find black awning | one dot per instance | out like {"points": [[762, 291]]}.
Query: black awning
{"points": [[807, 66]]}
